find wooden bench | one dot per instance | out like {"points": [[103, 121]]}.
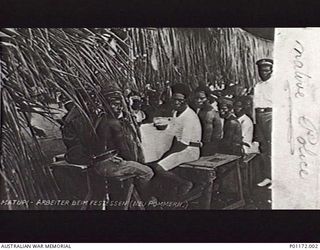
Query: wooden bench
{"points": [[211, 166], [126, 181]]}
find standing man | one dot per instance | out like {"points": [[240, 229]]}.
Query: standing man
{"points": [[262, 102], [231, 142], [210, 121]]}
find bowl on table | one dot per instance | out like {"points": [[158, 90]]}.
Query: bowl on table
{"points": [[161, 123]]}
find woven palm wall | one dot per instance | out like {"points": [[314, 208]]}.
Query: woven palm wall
{"points": [[197, 56], [51, 60]]}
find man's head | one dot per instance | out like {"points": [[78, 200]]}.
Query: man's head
{"points": [[136, 104], [265, 68], [239, 107], [114, 98], [201, 96], [225, 107], [116, 106], [180, 94], [154, 99]]}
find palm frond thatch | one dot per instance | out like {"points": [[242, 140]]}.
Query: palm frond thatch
{"points": [[197, 56], [35, 65]]}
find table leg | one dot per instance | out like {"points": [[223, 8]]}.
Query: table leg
{"points": [[248, 179], [138, 199], [129, 195], [107, 195], [240, 181], [241, 201], [209, 190], [89, 194]]}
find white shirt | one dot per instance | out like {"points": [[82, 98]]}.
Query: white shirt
{"points": [[154, 142], [139, 115], [215, 106], [247, 130], [186, 128], [247, 135], [262, 97]]}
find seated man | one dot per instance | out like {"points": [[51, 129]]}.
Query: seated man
{"points": [[231, 142], [155, 107], [151, 107], [186, 143], [246, 125], [136, 109], [78, 133], [114, 133], [210, 121], [85, 139], [79, 137]]}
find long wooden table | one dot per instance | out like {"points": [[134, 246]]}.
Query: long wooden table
{"points": [[156, 142], [210, 166]]}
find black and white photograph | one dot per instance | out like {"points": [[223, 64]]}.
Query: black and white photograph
{"points": [[142, 119]]}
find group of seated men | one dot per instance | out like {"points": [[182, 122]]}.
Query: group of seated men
{"points": [[202, 128], [212, 112]]}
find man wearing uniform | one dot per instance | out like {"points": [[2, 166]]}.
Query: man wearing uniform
{"points": [[262, 102]]}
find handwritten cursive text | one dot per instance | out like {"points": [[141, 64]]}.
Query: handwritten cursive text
{"points": [[300, 76], [309, 135], [305, 143]]}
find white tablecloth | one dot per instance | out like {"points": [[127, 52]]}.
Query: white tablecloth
{"points": [[155, 142]]}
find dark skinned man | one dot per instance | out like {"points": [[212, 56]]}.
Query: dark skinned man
{"points": [[231, 142], [186, 143], [210, 121], [262, 102]]}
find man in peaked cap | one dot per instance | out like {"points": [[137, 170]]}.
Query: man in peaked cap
{"points": [[265, 62], [262, 103]]}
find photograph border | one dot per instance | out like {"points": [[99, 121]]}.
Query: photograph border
{"points": [[159, 226]]}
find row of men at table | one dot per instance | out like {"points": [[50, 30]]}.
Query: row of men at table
{"points": [[198, 130], [239, 133], [253, 110]]}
